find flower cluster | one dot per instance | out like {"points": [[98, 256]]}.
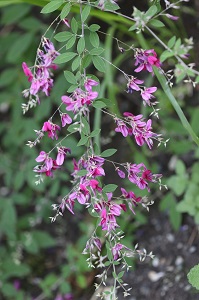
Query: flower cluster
{"points": [[80, 99], [41, 78], [135, 125]]}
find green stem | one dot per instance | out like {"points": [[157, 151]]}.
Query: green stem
{"points": [[176, 106]]}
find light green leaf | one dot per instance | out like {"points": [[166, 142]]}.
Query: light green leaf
{"points": [[81, 45], [65, 11], [95, 132], [99, 64], [86, 12], [70, 77], [51, 6], [63, 36], [151, 11], [76, 63], [71, 42], [166, 54], [82, 141], [109, 188], [94, 39], [74, 25], [64, 57], [96, 51], [108, 152], [94, 27], [193, 276], [171, 42], [99, 104], [156, 23]]}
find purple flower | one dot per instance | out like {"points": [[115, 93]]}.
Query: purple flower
{"points": [[116, 251], [146, 94], [133, 84], [51, 128], [65, 119], [145, 59], [62, 151]]}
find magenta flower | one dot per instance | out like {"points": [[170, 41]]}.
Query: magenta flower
{"points": [[41, 80], [120, 173], [62, 151], [145, 59], [116, 251], [51, 128], [66, 22], [121, 127], [133, 84], [65, 119], [27, 72], [146, 94], [89, 83]]}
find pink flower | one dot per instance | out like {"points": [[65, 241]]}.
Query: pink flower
{"points": [[133, 84], [65, 119], [121, 127], [145, 59], [89, 83], [62, 155], [66, 22], [27, 72], [146, 94], [51, 128], [116, 251], [121, 173]]}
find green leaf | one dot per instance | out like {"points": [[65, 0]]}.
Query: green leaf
{"points": [[166, 54], [171, 42], [180, 168], [156, 23], [193, 276], [65, 11], [85, 13], [73, 128], [96, 51], [76, 63], [108, 152], [99, 64], [133, 27], [94, 27], [81, 45], [108, 102], [70, 77], [63, 36], [86, 60], [109, 188], [95, 132], [120, 275], [151, 11], [85, 126], [99, 104], [71, 42], [82, 141], [64, 57], [74, 25], [51, 6], [94, 39]]}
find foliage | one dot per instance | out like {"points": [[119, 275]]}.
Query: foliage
{"points": [[24, 206]]}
